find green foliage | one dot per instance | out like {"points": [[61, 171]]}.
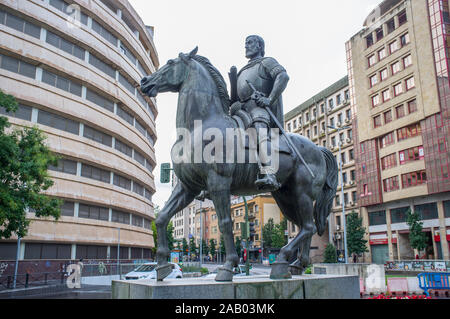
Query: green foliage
{"points": [[205, 248], [417, 237], [212, 247], [238, 244], [355, 234], [222, 246], [278, 237], [267, 232], [24, 160], [170, 239], [192, 246], [185, 246], [330, 255], [308, 270]]}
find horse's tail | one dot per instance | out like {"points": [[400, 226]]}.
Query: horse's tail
{"points": [[324, 202]]}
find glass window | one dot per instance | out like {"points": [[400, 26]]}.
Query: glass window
{"points": [[407, 61], [58, 122], [99, 100], [102, 66], [65, 166], [400, 111], [125, 115], [122, 147], [412, 106], [410, 83], [399, 215], [395, 67], [23, 112], [377, 218], [67, 209], [427, 211], [97, 136], [383, 74]]}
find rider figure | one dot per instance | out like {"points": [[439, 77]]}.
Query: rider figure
{"points": [[270, 78]]}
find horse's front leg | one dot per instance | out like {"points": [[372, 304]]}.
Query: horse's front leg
{"points": [[178, 200], [219, 191]]}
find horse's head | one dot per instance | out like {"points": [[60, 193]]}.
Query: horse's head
{"points": [[169, 77]]}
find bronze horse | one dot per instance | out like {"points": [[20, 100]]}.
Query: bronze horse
{"points": [[303, 199]]}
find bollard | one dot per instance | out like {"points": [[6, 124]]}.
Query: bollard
{"points": [[45, 278], [8, 283], [26, 280]]}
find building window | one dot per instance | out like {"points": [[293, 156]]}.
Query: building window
{"points": [[389, 161], [371, 60], [386, 95], [331, 103], [387, 117], [402, 18], [104, 33], [122, 181], [399, 215], [96, 173], [17, 66], [414, 179], [68, 208], [23, 112], [381, 54], [375, 100], [123, 148], [404, 39], [369, 40], [19, 24], [377, 218], [120, 217], [61, 82], [373, 80], [427, 211], [47, 251], [412, 154], [387, 139], [393, 46], [58, 122], [383, 74], [102, 66], [125, 115], [390, 25], [408, 132], [65, 166], [93, 212], [97, 136], [412, 106], [391, 184], [395, 68], [99, 100], [65, 45], [377, 121], [407, 61], [379, 33], [410, 83], [400, 111], [398, 89]]}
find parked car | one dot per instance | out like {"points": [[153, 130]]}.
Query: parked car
{"points": [[237, 271], [147, 271]]}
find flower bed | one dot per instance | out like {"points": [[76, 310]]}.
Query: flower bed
{"points": [[383, 296]]}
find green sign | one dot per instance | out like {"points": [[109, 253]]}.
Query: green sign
{"points": [[165, 173]]}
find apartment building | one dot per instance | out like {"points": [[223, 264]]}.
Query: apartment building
{"points": [[325, 119], [399, 96], [75, 68]]}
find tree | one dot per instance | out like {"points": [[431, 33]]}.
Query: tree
{"points": [[212, 248], [330, 255], [417, 237], [355, 234], [192, 246], [185, 246], [278, 234], [205, 248], [222, 246], [238, 245], [267, 233], [24, 160]]}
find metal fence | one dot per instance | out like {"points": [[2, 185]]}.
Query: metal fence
{"points": [[419, 265], [32, 280]]}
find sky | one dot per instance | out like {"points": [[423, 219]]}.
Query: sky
{"points": [[306, 37]]}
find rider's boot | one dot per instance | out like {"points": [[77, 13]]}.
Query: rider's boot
{"points": [[267, 181]]}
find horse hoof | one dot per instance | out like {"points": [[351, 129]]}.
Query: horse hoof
{"points": [[296, 270], [163, 271], [224, 274], [280, 271]]}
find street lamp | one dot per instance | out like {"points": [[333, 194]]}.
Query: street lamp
{"points": [[342, 190]]}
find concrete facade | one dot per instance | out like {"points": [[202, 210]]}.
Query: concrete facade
{"points": [[79, 68]]}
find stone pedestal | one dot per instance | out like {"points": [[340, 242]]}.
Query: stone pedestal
{"points": [[251, 287]]}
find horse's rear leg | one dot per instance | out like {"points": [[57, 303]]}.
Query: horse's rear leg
{"points": [[299, 209], [178, 200]]}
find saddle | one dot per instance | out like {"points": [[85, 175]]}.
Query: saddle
{"points": [[244, 121]]}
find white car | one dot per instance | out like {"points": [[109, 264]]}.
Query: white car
{"points": [[147, 271], [237, 271]]}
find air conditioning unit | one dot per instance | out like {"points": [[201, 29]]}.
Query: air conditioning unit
{"points": [[339, 124], [350, 203], [338, 236], [345, 102], [352, 182], [353, 204], [338, 227], [348, 141], [347, 120]]}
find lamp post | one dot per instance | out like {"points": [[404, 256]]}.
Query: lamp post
{"points": [[342, 190]]}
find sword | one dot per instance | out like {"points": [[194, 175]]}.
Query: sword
{"points": [[255, 96]]}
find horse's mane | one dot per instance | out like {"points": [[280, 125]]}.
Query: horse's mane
{"points": [[218, 80]]}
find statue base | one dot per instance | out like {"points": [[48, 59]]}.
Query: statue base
{"points": [[242, 287]]}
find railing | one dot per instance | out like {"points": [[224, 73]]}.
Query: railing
{"points": [[33, 280], [419, 265]]}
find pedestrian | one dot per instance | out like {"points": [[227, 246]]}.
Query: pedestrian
{"points": [[354, 258]]}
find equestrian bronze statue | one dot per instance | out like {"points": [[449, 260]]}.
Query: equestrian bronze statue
{"points": [[301, 176]]}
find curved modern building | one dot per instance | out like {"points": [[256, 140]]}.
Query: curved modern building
{"points": [[75, 69]]}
